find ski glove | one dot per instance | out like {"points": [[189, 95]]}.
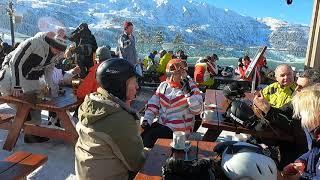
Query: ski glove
{"points": [[145, 124]]}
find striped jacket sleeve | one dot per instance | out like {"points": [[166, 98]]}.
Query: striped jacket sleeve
{"points": [[153, 107], [195, 100]]}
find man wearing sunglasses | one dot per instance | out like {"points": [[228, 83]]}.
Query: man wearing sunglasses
{"points": [[175, 103], [281, 118]]}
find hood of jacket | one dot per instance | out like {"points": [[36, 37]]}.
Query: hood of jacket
{"points": [[97, 106]]}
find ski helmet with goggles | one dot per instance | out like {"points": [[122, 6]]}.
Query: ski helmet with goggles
{"points": [[233, 91], [241, 113], [175, 65], [242, 160], [112, 75]]}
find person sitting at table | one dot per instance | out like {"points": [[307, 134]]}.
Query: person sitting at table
{"points": [[109, 144], [22, 68], [264, 71], [280, 92], [204, 72], [242, 67], [281, 118], [89, 83], [306, 78], [176, 101], [149, 63], [306, 104], [165, 57]]}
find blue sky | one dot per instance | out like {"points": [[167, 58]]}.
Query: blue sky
{"points": [[300, 11]]}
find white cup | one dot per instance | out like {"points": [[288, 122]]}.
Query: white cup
{"points": [[179, 139], [210, 106], [207, 115]]}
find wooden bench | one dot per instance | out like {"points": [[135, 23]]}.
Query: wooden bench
{"points": [[6, 114], [218, 123], [20, 164]]}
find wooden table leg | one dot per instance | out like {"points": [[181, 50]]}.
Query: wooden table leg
{"points": [[211, 135], [17, 124], [68, 124]]}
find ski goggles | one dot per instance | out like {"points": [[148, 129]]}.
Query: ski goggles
{"points": [[178, 66]]}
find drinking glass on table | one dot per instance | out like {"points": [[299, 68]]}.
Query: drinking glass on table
{"points": [[54, 90], [43, 89], [75, 84]]}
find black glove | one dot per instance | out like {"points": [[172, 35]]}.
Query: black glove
{"points": [[185, 86], [145, 124]]}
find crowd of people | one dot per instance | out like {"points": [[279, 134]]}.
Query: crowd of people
{"points": [[110, 145]]}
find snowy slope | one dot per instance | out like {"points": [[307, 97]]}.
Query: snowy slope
{"points": [[274, 24], [194, 22]]}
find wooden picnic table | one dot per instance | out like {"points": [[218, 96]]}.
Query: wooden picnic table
{"points": [[234, 78], [161, 152], [218, 123], [61, 105], [221, 81]]}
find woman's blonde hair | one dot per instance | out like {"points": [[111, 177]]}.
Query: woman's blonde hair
{"points": [[306, 105]]}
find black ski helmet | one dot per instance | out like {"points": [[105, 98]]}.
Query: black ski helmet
{"points": [[112, 75], [178, 169], [233, 90], [242, 113]]}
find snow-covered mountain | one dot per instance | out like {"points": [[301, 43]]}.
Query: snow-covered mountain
{"points": [[274, 24], [158, 21], [285, 36]]}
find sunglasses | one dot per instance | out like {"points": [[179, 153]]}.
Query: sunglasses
{"points": [[179, 66]]}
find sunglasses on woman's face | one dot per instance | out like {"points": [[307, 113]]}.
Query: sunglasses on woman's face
{"points": [[179, 66]]}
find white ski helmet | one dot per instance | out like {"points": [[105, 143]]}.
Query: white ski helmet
{"points": [[246, 161]]}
